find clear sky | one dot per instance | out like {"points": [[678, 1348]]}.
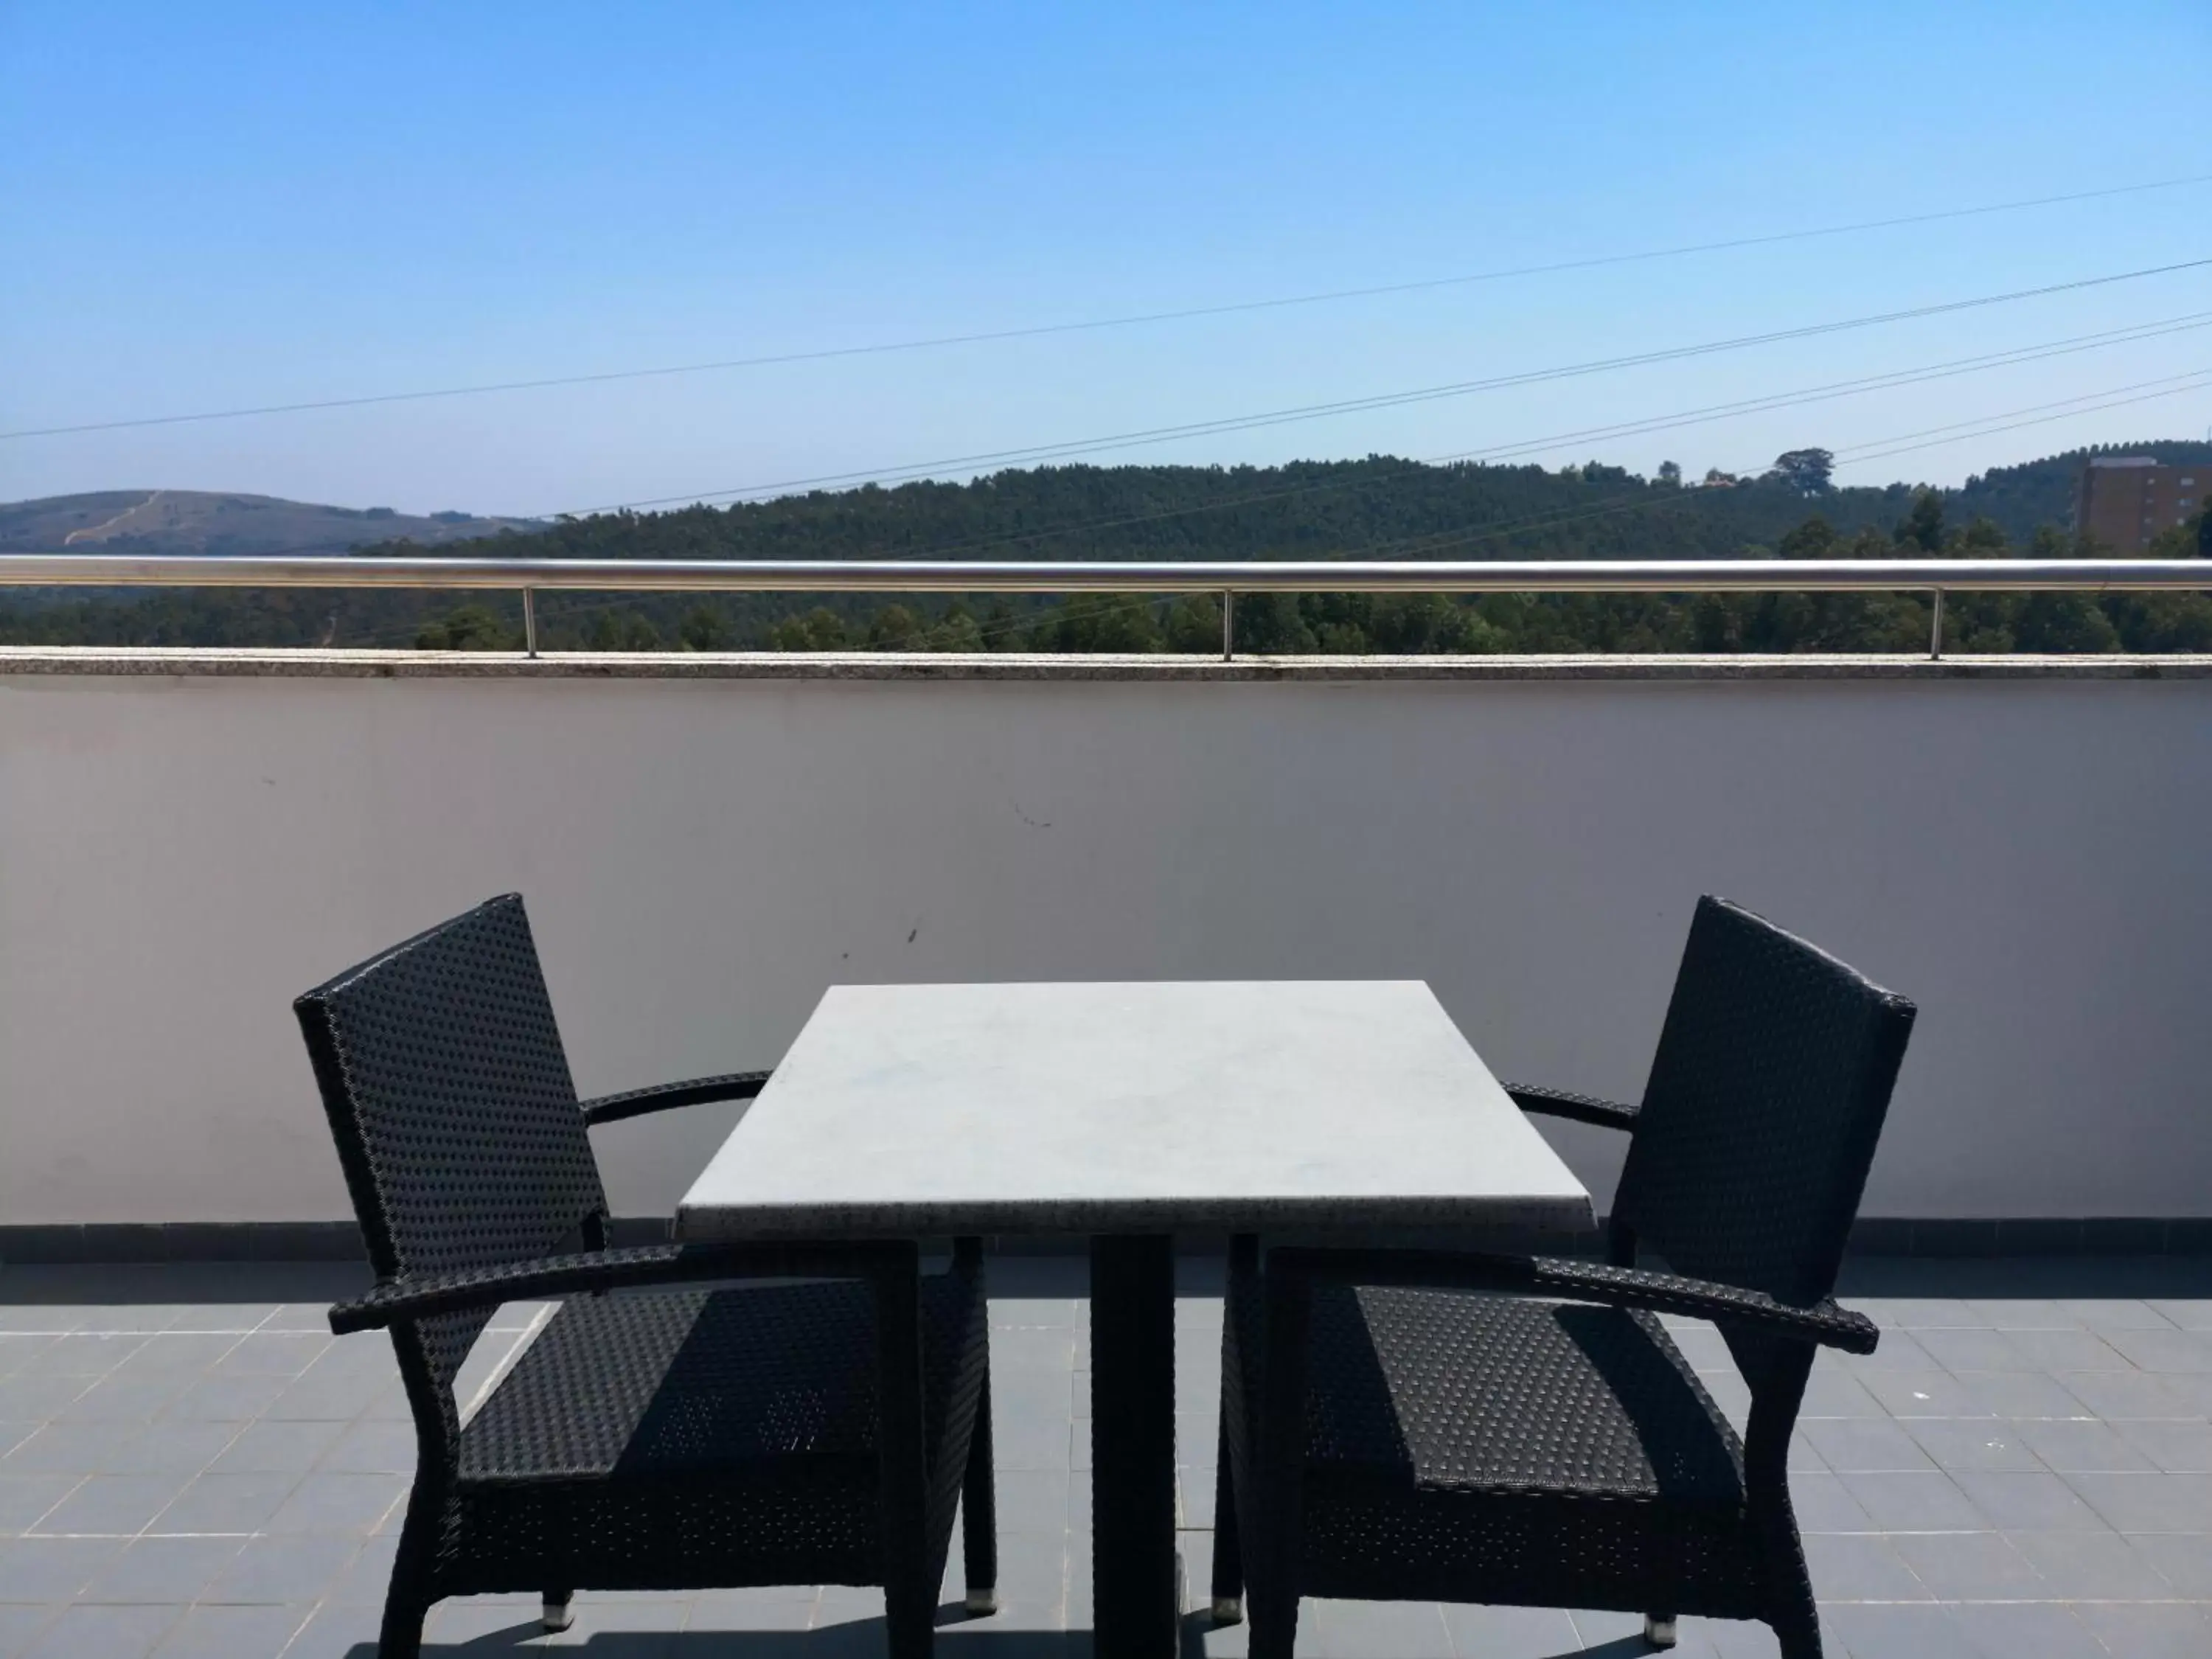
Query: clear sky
{"points": [[213, 205]]}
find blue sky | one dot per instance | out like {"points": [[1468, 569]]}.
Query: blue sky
{"points": [[215, 205]]}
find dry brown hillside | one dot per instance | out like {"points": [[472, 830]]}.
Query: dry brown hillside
{"points": [[154, 521]]}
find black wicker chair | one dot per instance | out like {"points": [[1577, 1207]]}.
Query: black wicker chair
{"points": [[693, 1437], [1388, 1432]]}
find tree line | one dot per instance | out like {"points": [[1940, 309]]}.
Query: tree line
{"points": [[1379, 508]]}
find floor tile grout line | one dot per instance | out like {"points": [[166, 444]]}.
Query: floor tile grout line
{"points": [[112, 1335], [132, 1537], [209, 1466], [297, 1630], [33, 1529]]}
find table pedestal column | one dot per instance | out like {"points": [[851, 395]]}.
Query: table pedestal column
{"points": [[1136, 1613]]}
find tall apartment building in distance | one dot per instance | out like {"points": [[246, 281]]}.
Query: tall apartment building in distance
{"points": [[2123, 501]]}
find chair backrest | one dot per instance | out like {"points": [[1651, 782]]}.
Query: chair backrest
{"points": [[1765, 1100], [455, 1116]]}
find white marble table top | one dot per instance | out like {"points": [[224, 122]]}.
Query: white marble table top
{"points": [[916, 1110]]}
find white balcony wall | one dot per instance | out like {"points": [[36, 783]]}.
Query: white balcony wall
{"points": [[181, 854]]}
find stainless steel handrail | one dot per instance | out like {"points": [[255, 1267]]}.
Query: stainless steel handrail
{"points": [[1228, 578], [1104, 576]]}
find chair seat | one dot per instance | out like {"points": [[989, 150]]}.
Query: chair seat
{"points": [[650, 1387], [1451, 1391]]}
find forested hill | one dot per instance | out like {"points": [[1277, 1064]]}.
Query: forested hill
{"points": [[2021, 498], [1379, 508]]}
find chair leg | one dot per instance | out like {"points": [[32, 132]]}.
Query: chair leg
{"points": [[407, 1602], [401, 1637], [909, 1624], [979, 1514], [1228, 1552], [1275, 1623], [1799, 1637], [1797, 1629], [1793, 1616]]}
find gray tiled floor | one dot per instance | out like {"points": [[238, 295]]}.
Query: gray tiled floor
{"points": [[190, 1465]]}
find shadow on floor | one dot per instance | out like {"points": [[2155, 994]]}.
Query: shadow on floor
{"points": [[860, 1637], [102, 1284], [1017, 1277]]}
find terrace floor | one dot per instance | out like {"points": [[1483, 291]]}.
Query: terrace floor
{"points": [[193, 1466]]}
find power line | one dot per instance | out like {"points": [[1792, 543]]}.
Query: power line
{"points": [[2087, 402], [1535, 522], [2203, 379], [567, 609], [2063, 347], [1648, 501], [1685, 418], [1036, 453], [2038, 351], [2056, 403], [1879, 447], [1134, 320], [1838, 389]]}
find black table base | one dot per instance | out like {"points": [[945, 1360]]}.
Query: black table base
{"points": [[1137, 1613]]}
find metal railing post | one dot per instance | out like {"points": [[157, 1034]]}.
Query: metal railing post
{"points": [[1143, 580]]}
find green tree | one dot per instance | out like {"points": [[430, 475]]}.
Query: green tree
{"points": [[469, 628], [1112, 623], [704, 629], [1269, 624], [1414, 624], [623, 630], [1194, 625], [1815, 538], [819, 629], [956, 630], [1807, 471], [1002, 630], [1923, 528], [1983, 539], [2063, 621], [894, 628]]}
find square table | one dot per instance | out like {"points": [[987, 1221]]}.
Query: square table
{"points": [[1130, 1112]]}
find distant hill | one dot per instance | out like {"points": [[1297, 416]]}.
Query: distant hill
{"points": [[1377, 508], [197, 521], [1380, 506], [2034, 493]]}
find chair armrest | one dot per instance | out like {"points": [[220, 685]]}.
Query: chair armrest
{"points": [[1825, 1322], [635, 1102], [418, 1296], [1583, 1108]]}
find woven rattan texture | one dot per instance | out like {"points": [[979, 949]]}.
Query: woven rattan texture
{"points": [[665, 1439], [1530, 1549], [1461, 1446], [703, 1381], [1444, 1389], [1766, 1096], [675, 1439], [1564, 1102], [660, 1096], [455, 1102]]}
